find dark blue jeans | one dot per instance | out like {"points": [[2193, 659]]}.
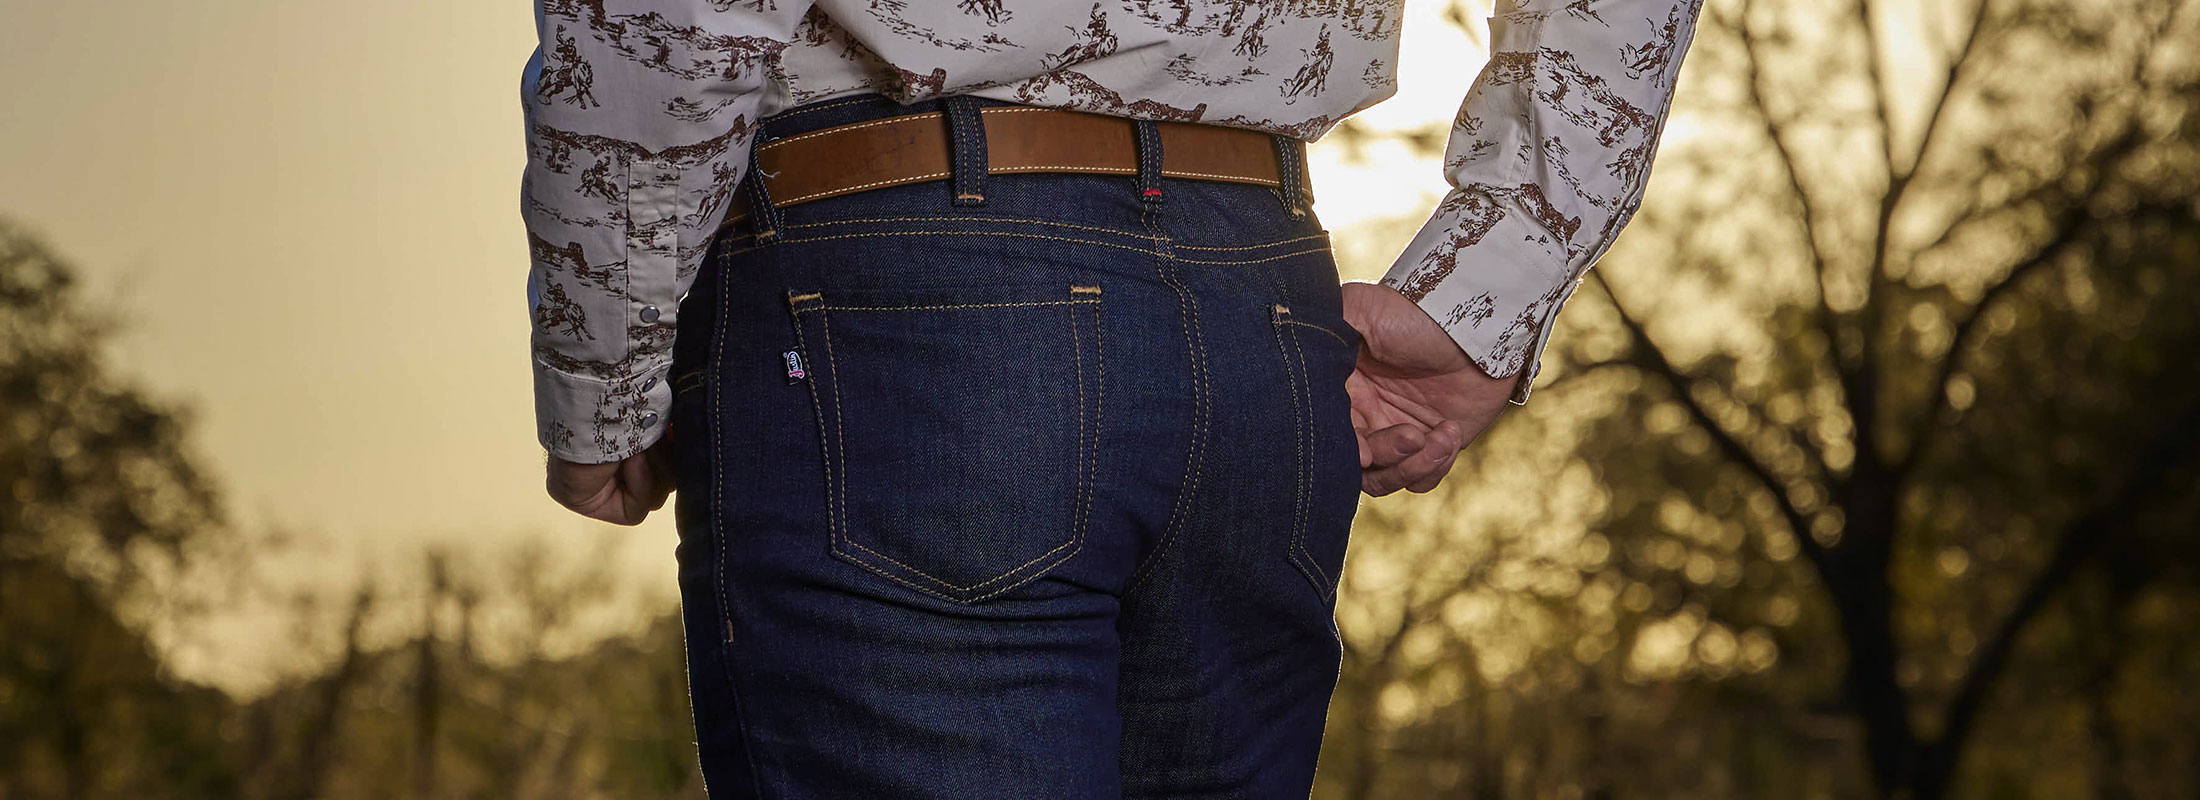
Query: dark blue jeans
{"points": [[1044, 497]]}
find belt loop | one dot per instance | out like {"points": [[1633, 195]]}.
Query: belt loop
{"points": [[764, 217], [1290, 171], [966, 140], [1149, 160]]}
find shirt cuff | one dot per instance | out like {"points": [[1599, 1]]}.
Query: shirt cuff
{"points": [[588, 420], [1492, 276]]}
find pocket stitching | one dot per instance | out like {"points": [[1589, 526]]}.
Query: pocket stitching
{"points": [[832, 465], [1302, 391], [839, 443], [836, 513], [1352, 341], [1332, 334]]}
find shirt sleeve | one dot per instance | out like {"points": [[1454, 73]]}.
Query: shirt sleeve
{"points": [[638, 121], [1547, 160]]}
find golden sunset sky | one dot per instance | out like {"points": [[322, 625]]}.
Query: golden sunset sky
{"points": [[308, 214]]}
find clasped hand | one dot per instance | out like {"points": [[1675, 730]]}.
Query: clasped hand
{"points": [[1417, 400]]}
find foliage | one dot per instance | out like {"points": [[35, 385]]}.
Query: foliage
{"points": [[105, 516], [1864, 469], [1880, 434]]}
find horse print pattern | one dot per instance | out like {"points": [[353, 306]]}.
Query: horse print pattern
{"points": [[639, 116]]}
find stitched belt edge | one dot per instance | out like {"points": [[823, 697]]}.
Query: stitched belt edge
{"points": [[914, 148]]}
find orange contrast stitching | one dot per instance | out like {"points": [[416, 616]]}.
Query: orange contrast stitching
{"points": [[861, 186], [1332, 334], [1248, 246], [849, 127], [840, 482]]}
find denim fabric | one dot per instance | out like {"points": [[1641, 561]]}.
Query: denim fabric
{"points": [[1054, 506]]}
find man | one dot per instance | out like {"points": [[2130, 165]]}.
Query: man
{"points": [[1012, 394]]}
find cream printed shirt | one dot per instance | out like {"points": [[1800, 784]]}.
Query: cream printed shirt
{"points": [[639, 115]]}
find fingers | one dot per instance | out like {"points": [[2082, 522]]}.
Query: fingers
{"points": [[660, 461], [639, 488], [1435, 474], [660, 454], [640, 479], [1359, 434], [1388, 447], [621, 493], [580, 487], [1420, 470]]}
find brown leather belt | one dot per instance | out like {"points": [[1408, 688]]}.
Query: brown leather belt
{"points": [[915, 148]]}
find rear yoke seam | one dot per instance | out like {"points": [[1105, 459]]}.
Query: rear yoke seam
{"points": [[1030, 221], [959, 233], [1019, 234], [955, 305], [969, 219]]}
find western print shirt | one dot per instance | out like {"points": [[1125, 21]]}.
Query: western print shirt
{"points": [[639, 115]]}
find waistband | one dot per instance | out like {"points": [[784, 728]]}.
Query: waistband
{"points": [[863, 142]]}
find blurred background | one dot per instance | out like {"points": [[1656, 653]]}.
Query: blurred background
{"points": [[1866, 464]]}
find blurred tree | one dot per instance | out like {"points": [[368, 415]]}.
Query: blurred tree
{"points": [[478, 703], [1870, 472], [508, 688], [97, 472], [97, 498], [1891, 384]]}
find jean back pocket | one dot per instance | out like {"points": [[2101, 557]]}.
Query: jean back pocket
{"points": [[1318, 350], [959, 427]]}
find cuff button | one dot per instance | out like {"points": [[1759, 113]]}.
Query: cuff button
{"points": [[649, 314], [649, 420]]}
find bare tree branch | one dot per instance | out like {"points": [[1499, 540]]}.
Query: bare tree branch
{"points": [[1978, 210], [323, 725], [2075, 214], [2049, 184], [1576, 372], [1954, 75], [1937, 405], [1899, 177], [1774, 130], [2080, 540], [1813, 457], [1654, 360], [1862, 383], [1858, 383], [1882, 105]]}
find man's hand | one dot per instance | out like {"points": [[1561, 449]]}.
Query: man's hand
{"points": [[1416, 398], [618, 492]]}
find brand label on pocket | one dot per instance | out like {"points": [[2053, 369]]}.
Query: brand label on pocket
{"points": [[795, 372]]}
